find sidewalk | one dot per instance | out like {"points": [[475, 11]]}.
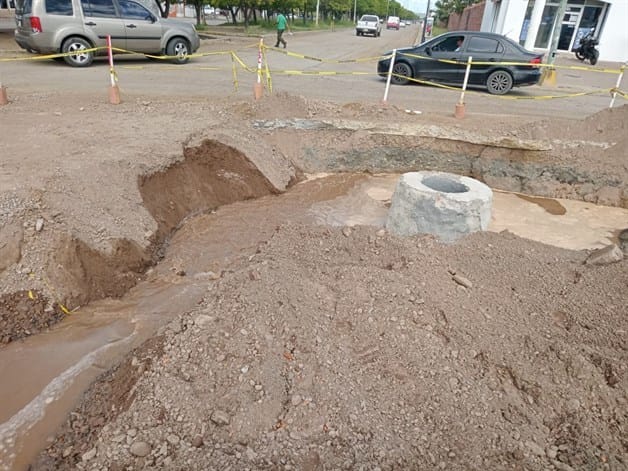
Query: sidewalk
{"points": [[7, 25]]}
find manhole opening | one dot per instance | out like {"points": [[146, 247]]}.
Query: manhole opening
{"points": [[444, 185]]}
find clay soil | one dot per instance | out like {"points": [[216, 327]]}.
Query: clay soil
{"points": [[323, 348]]}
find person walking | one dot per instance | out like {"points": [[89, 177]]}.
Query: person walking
{"points": [[282, 23]]}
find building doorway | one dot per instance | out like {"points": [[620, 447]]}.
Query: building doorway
{"points": [[568, 27]]}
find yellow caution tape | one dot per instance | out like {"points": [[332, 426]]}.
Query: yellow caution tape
{"points": [[619, 92], [322, 73], [237, 61], [505, 97], [269, 80], [319, 59], [49, 56], [329, 61], [523, 64], [113, 72], [234, 72]]}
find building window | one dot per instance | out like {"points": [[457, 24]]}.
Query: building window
{"points": [[546, 26]]}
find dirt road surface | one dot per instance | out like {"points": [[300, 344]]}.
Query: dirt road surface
{"points": [[170, 252]]}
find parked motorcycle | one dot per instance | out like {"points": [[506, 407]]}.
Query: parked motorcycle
{"points": [[587, 50]]}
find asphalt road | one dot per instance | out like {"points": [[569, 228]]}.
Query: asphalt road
{"points": [[212, 74]]}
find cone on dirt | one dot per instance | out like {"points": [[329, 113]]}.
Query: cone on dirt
{"points": [[4, 100], [114, 95], [258, 90], [459, 111]]}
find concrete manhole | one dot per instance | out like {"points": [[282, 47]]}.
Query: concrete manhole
{"points": [[443, 204]]}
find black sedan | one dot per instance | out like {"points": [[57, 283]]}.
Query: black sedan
{"points": [[443, 60]]}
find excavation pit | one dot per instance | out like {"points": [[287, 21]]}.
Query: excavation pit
{"points": [[443, 204], [236, 260]]}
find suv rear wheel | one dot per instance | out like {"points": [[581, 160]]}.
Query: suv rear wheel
{"points": [[179, 50], [75, 47]]}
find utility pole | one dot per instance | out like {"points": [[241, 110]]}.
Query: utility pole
{"points": [[355, 5], [318, 4], [558, 23], [549, 75], [427, 12]]}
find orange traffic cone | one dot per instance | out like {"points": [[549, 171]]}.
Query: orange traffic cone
{"points": [[4, 100]]}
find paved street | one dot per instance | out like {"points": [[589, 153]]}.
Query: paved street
{"points": [[212, 75]]}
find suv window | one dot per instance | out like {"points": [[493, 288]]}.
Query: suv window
{"points": [[477, 44], [59, 7], [133, 11], [99, 8], [23, 7]]}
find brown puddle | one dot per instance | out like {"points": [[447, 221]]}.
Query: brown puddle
{"points": [[45, 375], [550, 205]]}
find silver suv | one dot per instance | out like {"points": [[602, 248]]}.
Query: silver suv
{"points": [[76, 26]]}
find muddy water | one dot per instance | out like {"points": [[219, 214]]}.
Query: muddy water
{"points": [[44, 375]]}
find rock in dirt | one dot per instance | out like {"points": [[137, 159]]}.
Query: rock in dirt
{"points": [[89, 455], [623, 240], [462, 281], [609, 254], [140, 449], [220, 417], [197, 441]]}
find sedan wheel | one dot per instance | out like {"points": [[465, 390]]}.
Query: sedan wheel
{"points": [[75, 47], [499, 82], [401, 72], [179, 50]]}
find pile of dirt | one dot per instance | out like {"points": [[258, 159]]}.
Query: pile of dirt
{"points": [[329, 349], [354, 349]]}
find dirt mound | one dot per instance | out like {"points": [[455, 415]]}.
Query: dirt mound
{"points": [[608, 122], [353, 349], [282, 105], [607, 125]]}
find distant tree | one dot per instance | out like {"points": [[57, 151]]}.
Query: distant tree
{"points": [[164, 8], [198, 8]]}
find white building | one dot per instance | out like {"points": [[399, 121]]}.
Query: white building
{"points": [[531, 23]]}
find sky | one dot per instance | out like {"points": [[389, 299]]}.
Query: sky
{"points": [[417, 6]]}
